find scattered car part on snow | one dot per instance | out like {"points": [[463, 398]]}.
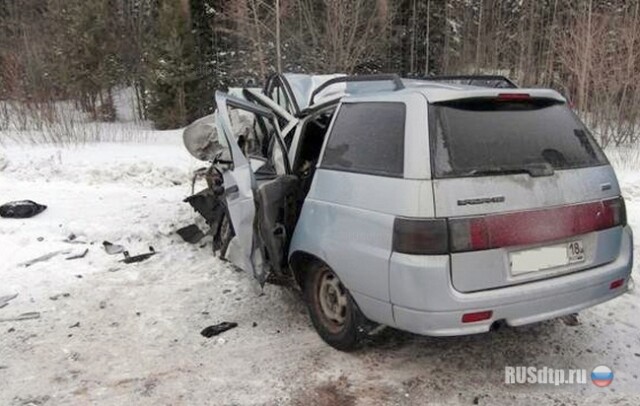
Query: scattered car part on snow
{"points": [[59, 295], [72, 239], [78, 255], [4, 300], [23, 316], [128, 259], [112, 249], [21, 209], [191, 233], [218, 329], [43, 258]]}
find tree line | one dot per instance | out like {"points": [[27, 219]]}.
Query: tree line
{"points": [[175, 53]]}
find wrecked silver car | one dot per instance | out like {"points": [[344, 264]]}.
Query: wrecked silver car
{"points": [[412, 203]]}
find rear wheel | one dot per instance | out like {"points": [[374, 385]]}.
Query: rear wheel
{"points": [[333, 311]]}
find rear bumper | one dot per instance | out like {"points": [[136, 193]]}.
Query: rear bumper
{"points": [[425, 302]]}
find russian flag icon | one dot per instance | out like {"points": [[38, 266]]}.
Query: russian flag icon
{"points": [[602, 376]]}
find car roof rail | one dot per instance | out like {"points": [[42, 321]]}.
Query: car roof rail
{"points": [[497, 81], [394, 78]]}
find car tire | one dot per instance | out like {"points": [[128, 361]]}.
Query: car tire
{"points": [[334, 314]]}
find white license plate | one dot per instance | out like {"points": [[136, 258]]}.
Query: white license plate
{"points": [[543, 258]]}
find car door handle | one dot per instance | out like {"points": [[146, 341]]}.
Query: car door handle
{"points": [[232, 189]]}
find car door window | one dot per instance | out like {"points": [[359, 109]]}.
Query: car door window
{"points": [[367, 138]]}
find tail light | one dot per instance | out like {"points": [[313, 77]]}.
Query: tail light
{"points": [[616, 284], [513, 97], [615, 212], [478, 316], [534, 226], [420, 236], [442, 236]]}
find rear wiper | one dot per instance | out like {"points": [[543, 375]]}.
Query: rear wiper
{"points": [[534, 170]]}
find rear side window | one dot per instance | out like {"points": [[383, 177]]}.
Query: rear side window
{"points": [[479, 137], [367, 138]]}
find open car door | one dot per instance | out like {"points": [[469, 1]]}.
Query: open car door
{"points": [[260, 191]]}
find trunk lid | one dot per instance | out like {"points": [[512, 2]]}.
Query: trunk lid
{"points": [[523, 182]]}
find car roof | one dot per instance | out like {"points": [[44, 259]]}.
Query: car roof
{"points": [[303, 87], [436, 92]]}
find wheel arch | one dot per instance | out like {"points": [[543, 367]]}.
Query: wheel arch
{"points": [[299, 261], [373, 310]]}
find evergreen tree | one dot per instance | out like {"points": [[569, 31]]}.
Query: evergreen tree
{"points": [[171, 79]]}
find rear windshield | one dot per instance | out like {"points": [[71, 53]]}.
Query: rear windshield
{"points": [[477, 137]]}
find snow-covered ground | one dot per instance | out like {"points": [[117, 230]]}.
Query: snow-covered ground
{"points": [[138, 339]]}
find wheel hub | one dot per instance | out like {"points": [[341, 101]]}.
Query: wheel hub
{"points": [[333, 298]]}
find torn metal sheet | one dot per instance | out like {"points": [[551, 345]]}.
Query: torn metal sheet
{"points": [[72, 240], [43, 258], [208, 205], [78, 255]]}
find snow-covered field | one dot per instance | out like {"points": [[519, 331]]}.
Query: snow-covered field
{"points": [[117, 334]]}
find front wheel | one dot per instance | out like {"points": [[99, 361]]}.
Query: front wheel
{"points": [[335, 315]]}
